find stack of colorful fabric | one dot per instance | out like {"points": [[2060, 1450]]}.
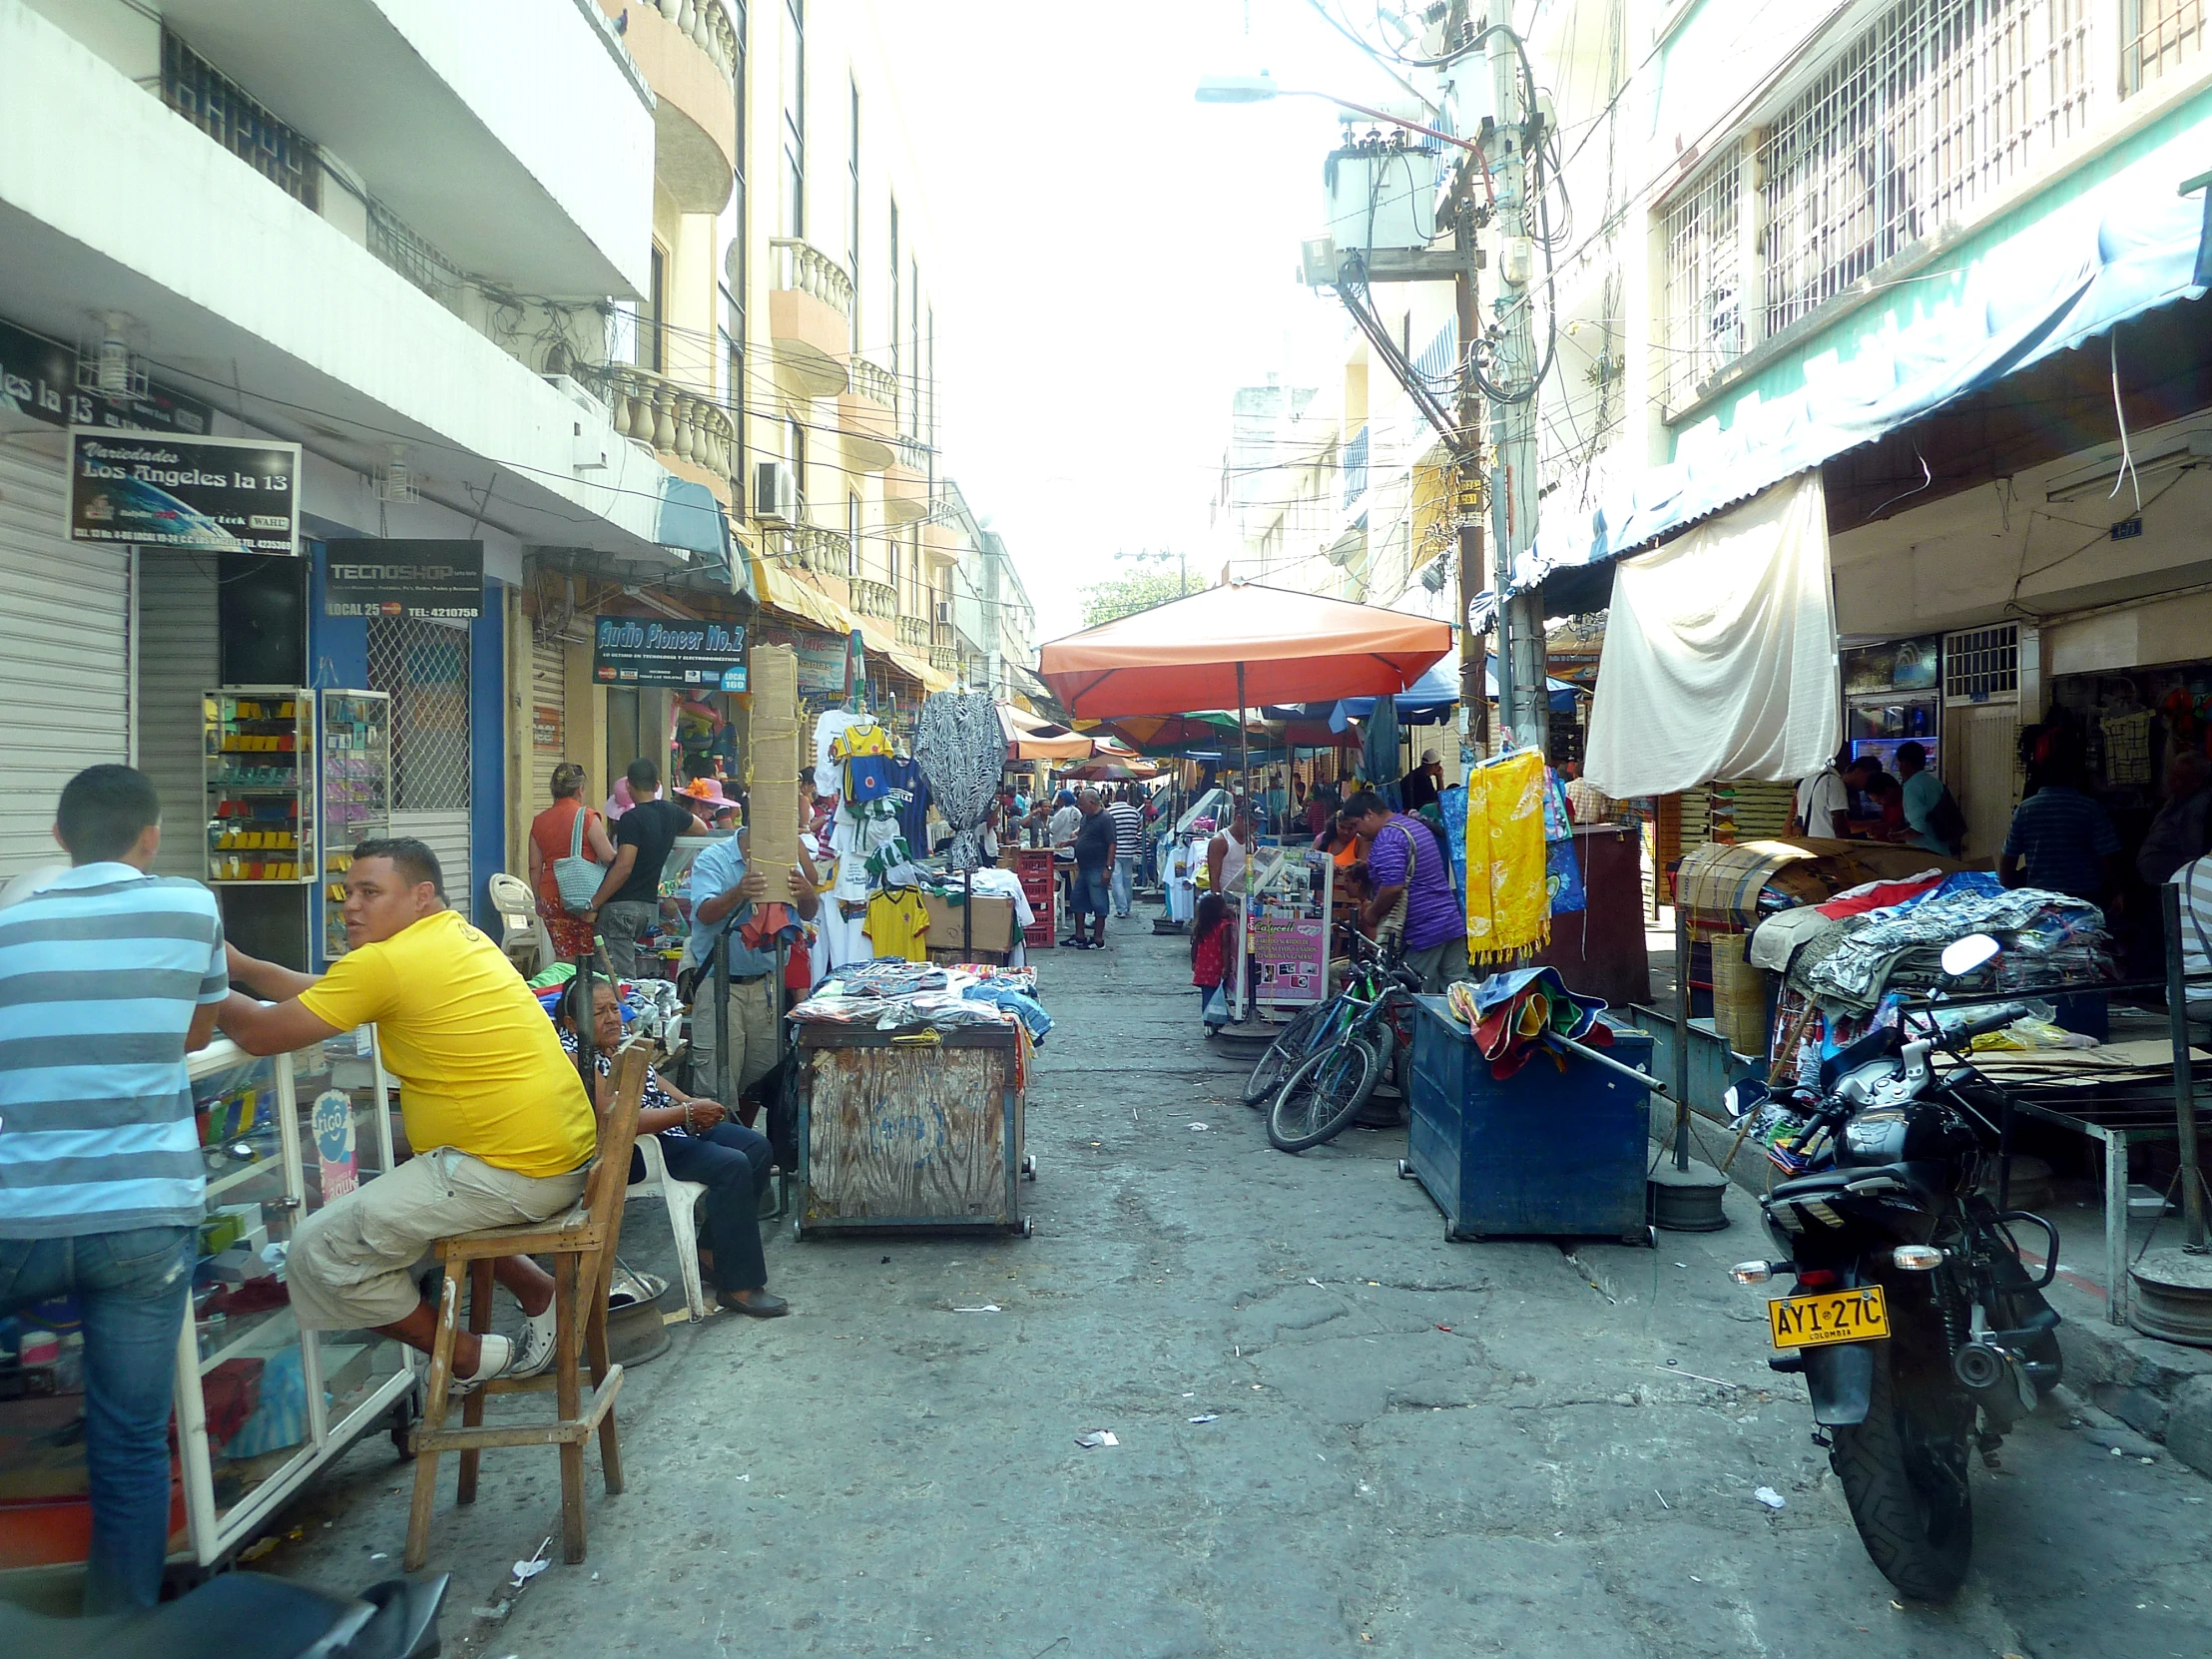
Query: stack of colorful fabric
{"points": [[1511, 1014]]}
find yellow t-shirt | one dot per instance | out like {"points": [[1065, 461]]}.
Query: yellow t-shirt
{"points": [[480, 1067], [897, 923]]}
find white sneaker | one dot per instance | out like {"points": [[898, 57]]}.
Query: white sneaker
{"points": [[496, 1359], [535, 1344]]}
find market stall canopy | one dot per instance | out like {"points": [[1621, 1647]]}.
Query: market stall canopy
{"points": [[1428, 699], [2110, 253], [1030, 739], [1104, 771], [1239, 645], [791, 594], [1162, 733]]}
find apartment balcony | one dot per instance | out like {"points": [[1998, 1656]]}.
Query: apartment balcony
{"points": [[809, 318], [876, 599], [688, 53], [945, 659], [867, 417], [906, 482], [824, 552], [692, 436], [442, 110], [940, 543], [913, 635]]}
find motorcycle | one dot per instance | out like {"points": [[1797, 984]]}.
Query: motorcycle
{"points": [[249, 1615], [1919, 1332]]}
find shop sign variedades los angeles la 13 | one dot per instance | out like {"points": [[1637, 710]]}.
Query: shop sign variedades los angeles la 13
{"points": [[225, 495], [679, 652]]}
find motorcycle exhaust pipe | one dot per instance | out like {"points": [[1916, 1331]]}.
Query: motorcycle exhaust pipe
{"points": [[1981, 1367]]}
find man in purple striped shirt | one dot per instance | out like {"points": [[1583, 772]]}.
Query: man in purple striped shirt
{"points": [[1403, 860]]}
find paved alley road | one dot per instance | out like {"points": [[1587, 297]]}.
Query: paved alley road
{"points": [[1415, 1448]]}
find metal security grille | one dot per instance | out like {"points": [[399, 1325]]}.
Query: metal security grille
{"points": [[2162, 35], [1983, 662], [1705, 312], [207, 99], [424, 666], [1926, 116]]}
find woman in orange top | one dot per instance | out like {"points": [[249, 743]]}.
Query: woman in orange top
{"points": [[550, 835]]}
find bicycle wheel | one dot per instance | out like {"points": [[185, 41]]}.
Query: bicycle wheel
{"points": [[1283, 1055], [1322, 1096]]}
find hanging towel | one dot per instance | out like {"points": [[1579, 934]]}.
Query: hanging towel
{"points": [[1562, 870], [1508, 901], [961, 749]]}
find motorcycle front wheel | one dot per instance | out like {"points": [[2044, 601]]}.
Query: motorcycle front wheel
{"points": [[1904, 1472]]}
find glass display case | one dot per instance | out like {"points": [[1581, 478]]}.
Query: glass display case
{"points": [[355, 779], [260, 747], [260, 1408]]}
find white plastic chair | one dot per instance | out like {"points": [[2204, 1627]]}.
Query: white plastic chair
{"points": [[680, 1197], [521, 927]]}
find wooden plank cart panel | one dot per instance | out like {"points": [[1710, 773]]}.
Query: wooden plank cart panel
{"points": [[909, 1130]]}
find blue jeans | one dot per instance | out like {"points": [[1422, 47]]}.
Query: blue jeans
{"points": [[132, 1286], [732, 1162], [1090, 893], [1124, 882]]}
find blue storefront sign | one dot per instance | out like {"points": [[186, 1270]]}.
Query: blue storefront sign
{"points": [[682, 654]]}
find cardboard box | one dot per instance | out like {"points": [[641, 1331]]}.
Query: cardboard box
{"points": [[992, 926]]}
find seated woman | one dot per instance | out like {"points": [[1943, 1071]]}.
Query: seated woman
{"points": [[1341, 841], [697, 1143]]}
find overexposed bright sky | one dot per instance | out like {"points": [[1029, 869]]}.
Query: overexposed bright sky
{"points": [[1111, 259]]}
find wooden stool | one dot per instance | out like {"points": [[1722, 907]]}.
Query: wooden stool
{"points": [[582, 1245]]}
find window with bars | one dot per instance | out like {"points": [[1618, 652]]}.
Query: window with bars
{"points": [[1983, 662], [2161, 36], [223, 109], [1923, 118], [1705, 312], [424, 666]]}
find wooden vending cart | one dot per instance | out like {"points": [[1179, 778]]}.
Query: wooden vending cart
{"points": [[913, 1129]]}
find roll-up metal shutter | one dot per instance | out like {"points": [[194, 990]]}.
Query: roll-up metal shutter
{"points": [[180, 657], [548, 716], [64, 653], [423, 664]]}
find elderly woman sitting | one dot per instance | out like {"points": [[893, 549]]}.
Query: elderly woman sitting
{"points": [[699, 1142]]}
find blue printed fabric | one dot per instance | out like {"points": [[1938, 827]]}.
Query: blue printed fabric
{"points": [[1451, 805], [1027, 1009], [1563, 878]]}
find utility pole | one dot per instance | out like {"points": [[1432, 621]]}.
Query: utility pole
{"points": [[1522, 708], [1474, 694]]}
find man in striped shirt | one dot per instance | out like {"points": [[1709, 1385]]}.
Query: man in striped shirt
{"points": [[1128, 825], [109, 977]]}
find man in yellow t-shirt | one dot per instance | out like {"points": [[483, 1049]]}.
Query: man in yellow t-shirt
{"points": [[496, 1115]]}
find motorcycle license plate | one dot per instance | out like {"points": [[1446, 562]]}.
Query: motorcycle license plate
{"points": [[1830, 1316]]}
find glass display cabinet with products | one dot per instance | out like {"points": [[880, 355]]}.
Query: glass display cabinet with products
{"points": [[260, 784], [354, 804], [259, 1405]]}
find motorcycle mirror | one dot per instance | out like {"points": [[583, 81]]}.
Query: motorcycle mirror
{"points": [[1742, 1097], [1962, 957]]}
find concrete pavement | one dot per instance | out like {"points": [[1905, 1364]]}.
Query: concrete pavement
{"points": [[1416, 1447]]}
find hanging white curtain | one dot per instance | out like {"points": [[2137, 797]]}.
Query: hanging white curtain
{"points": [[1720, 653]]}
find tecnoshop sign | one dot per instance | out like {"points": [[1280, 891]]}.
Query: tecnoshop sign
{"points": [[640, 651], [371, 576], [227, 495]]}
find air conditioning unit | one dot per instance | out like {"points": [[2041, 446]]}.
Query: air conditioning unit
{"points": [[591, 430], [944, 611], [774, 493]]}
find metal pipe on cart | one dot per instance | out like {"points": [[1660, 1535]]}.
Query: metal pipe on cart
{"points": [[580, 1007], [2185, 1108], [1681, 1094], [1583, 1051]]}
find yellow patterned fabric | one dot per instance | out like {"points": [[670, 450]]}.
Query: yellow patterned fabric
{"points": [[1508, 906]]}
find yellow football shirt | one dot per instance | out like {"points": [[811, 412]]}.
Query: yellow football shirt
{"points": [[480, 1067], [899, 925]]}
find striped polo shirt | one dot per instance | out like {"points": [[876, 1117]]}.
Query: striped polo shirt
{"points": [[1128, 830], [100, 972]]}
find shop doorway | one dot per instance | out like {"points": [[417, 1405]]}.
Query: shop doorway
{"points": [[422, 663]]}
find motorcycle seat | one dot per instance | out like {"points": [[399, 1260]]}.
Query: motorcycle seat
{"points": [[1854, 1181]]}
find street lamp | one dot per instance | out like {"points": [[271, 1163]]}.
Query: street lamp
{"points": [[1259, 88]]}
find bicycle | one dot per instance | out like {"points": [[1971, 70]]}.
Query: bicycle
{"points": [[1326, 1090], [1296, 1040]]}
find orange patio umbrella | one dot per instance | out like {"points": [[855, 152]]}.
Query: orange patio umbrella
{"points": [[1238, 646]]}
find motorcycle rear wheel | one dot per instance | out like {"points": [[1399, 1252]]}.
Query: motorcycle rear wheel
{"points": [[1904, 1472], [1323, 1094]]}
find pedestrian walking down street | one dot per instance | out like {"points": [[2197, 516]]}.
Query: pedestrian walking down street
{"points": [[629, 899], [109, 977], [498, 1119], [552, 833], [1094, 853], [1211, 936], [1128, 848]]}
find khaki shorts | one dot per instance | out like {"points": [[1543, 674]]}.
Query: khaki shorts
{"points": [[351, 1264], [753, 1048]]}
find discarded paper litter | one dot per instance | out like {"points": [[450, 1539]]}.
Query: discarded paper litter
{"points": [[986, 1308], [1770, 1497], [1099, 1437], [1210, 1416]]}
